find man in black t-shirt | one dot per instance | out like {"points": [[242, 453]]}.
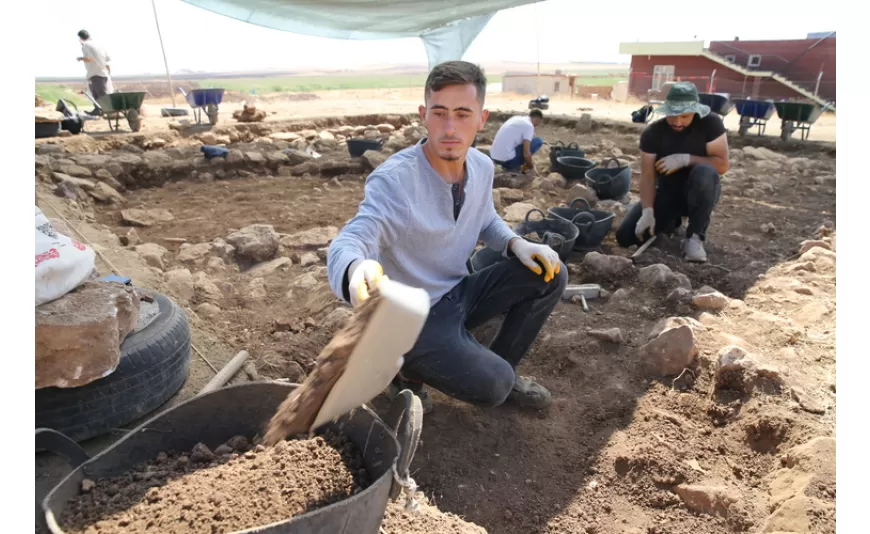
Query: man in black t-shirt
{"points": [[682, 158]]}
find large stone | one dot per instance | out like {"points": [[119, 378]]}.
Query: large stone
{"points": [[85, 185], [149, 217], [813, 243], [374, 158], [736, 369], [581, 191], [92, 160], [295, 157], [305, 281], [611, 335], [661, 276], [711, 500], [606, 265], [670, 349], [207, 310], [257, 242], [194, 253], [50, 148], [104, 193], [277, 157], [708, 299], [517, 212], [553, 182], [179, 283], [157, 158], [153, 254], [615, 206], [337, 318], [267, 268], [512, 181], [507, 196], [78, 336], [107, 178], [255, 157], [235, 156], [204, 289], [256, 290], [77, 171], [308, 259], [311, 238], [285, 136], [222, 249]]}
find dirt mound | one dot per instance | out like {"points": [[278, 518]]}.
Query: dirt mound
{"points": [[230, 489]]}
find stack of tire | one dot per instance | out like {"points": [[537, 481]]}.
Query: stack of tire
{"points": [[155, 360]]}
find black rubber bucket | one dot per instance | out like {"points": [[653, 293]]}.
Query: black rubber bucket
{"points": [[609, 183], [558, 150], [245, 409], [557, 233], [47, 129], [574, 168], [357, 147], [592, 225]]}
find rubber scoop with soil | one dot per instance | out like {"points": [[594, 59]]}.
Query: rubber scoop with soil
{"points": [[358, 363]]}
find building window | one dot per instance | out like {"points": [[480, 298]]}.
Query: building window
{"points": [[661, 75], [556, 87], [731, 57], [754, 60]]}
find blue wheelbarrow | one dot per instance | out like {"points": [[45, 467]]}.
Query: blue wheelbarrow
{"points": [[204, 99], [753, 113]]}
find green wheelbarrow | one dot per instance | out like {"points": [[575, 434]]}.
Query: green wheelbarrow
{"points": [[798, 116], [117, 105]]}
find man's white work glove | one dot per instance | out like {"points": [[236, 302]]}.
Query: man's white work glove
{"points": [[528, 252], [647, 222], [673, 163], [364, 277]]}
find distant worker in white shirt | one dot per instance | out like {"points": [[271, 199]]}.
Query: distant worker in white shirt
{"points": [[96, 62], [515, 142]]}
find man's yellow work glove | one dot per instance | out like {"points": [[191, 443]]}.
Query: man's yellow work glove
{"points": [[364, 277], [528, 252]]}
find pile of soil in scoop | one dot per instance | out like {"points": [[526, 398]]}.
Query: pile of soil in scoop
{"points": [[233, 488]]}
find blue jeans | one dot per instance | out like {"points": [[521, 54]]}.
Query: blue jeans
{"points": [[447, 357], [514, 164]]}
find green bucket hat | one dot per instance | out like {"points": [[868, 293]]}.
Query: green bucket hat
{"points": [[683, 98]]}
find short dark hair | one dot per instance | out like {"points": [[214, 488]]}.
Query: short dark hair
{"points": [[536, 114], [456, 73], [84, 35]]}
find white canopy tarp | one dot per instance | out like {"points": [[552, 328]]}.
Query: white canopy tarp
{"points": [[447, 27]]}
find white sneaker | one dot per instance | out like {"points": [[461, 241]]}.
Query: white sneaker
{"points": [[693, 248]]}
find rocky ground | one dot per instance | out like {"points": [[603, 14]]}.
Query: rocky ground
{"points": [[692, 398]]}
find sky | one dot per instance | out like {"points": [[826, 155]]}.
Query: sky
{"points": [[552, 31]]}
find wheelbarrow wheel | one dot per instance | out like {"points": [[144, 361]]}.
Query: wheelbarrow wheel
{"points": [[134, 120], [745, 124], [212, 111]]}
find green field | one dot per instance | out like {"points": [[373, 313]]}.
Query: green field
{"points": [[51, 93], [301, 84]]}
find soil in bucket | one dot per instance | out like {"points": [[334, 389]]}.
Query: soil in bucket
{"points": [[234, 487]]}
